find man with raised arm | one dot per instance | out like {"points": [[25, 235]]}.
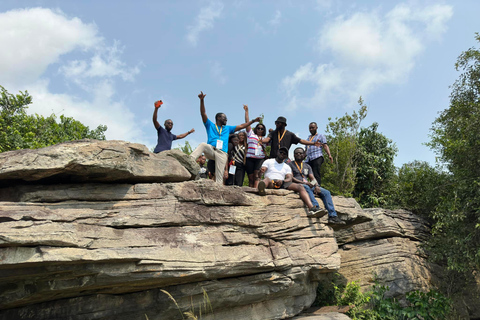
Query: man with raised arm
{"points": [[314, 153], [165, 137], [280, 137], [278, 175], [216, 147], [303, 175]]}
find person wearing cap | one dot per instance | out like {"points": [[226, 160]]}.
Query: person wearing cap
{"points": [[314, 153], [216, 147], [164, 135], [303, 175], [278, 175], [280, 137]]}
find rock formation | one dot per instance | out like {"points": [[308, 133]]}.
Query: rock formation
{"points": [[107, 230], [96, 229]]}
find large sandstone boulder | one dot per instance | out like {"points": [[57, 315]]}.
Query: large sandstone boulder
{"points": [[86, 236], [95, 161]]}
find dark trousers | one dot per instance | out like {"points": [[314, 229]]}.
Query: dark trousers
{"points": [[316, 164], [237, 179]]}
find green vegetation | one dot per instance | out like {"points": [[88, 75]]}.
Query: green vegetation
{"points": [[374, 305], [21, 131], [204, 307]]}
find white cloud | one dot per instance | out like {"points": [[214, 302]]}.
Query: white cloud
{"points": [[204, 21], [217, 73], [32, 39], [36, 38], [275, 21], [369, 50]]}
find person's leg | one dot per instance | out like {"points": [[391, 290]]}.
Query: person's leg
{"points": [[240, 174], [316, 164], [220, 161], [204, 148], [303, 194], [326, 198], [264, 184], [311, 195]]}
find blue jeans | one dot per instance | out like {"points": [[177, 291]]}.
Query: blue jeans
{"points": [[311, 195], [326, 197]]}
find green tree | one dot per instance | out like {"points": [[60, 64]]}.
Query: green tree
{"points": [[455, 136], [342, 136], [18, 130], [420, 187], [375, 174]]}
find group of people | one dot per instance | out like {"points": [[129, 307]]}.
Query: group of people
{"points": [[230, 155]]}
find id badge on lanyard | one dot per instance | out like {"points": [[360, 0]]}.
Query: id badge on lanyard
{"points": [[232, 169], [258, 150], [219, 144]]}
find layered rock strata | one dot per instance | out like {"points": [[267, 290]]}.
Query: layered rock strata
{"points": [[108, 230]]}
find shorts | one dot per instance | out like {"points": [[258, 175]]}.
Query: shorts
{"points": [[253, 164]]}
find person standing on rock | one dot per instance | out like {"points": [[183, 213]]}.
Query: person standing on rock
{"points": [[302, 173], [278, 175], [216, 147], [280, 137], [165, 137], [315, 153]]}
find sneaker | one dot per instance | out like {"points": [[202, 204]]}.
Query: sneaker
{"points": [[335, 220], [316, 212], [261, 188]]}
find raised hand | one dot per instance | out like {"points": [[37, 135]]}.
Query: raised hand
{"points": [[201, 95], [158, 103], [245, 107]]}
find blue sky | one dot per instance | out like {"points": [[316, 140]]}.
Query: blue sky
{"points": [[106, 62]]}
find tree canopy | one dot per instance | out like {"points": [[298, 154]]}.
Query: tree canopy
{"points": [[455, 136], [18, 130]]}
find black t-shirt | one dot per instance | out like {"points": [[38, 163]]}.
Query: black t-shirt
{"points": [[286, 141]]}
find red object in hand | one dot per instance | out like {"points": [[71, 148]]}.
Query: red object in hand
{"points": [[158, 103]]}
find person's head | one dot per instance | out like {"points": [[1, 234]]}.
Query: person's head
{"points": [[281, 123], [282, 154], [168, 124], [260, 130], [312, 127], [221, 119], [201, 160], [233, 139], [299, 154], [242, 137]]}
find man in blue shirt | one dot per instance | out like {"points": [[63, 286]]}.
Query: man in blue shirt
{"points": [[216, 147], [165, 137]]}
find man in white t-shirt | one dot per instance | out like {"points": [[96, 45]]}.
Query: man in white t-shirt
{"points": [[278, 175]]}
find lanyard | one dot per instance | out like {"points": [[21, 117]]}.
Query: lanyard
{"points": [[280, 139], [311, 138], [300, 169], [219, 132]]}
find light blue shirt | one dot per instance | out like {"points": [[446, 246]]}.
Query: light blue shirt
{"points": [[215, 133]]}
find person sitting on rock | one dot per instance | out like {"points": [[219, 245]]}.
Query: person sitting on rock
{"points": [[278, 175], [165, 137], [302, 173], [216, 147], [203, 173]]}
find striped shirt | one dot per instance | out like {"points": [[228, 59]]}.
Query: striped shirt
{"points": [[252, 140], [314, 152]]}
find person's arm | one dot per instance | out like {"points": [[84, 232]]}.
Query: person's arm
{"points": [[312, 179], [247, 124], [247, 117], [311, 143], [183, 135], [327, 149], [157, 106], [262, 172], [203, 113], [265, 141], [288, 178]]}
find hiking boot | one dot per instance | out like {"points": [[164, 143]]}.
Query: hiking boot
{"points": [[316, 212], [335, 220], [261, 188]]}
